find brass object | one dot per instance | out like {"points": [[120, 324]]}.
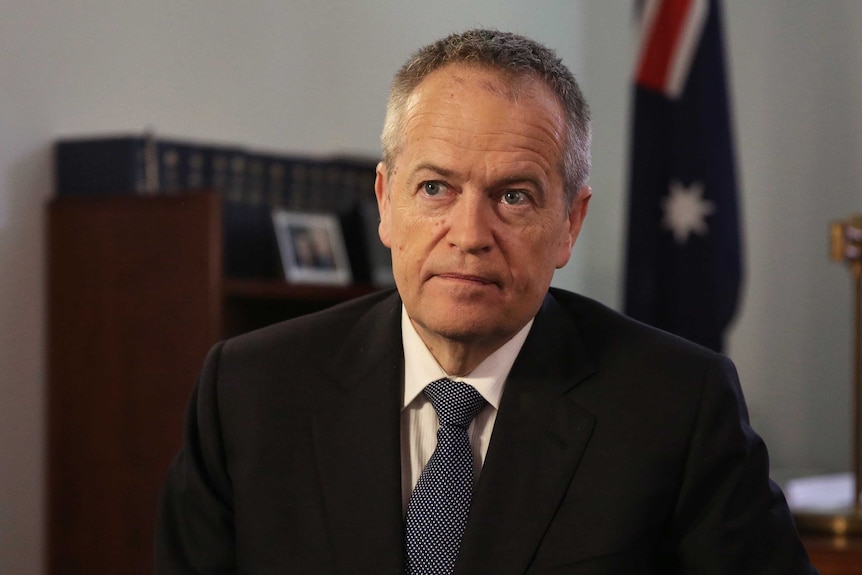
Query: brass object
{"points": [[846, 246], [842, 523]]}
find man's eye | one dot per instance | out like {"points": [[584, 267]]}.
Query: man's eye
{"points": [[514, 197], [433, 188]]}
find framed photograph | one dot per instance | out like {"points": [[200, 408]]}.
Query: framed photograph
{"points": [[312, 248]]}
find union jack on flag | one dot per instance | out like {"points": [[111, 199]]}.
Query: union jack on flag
{"points": [[683, 258]]}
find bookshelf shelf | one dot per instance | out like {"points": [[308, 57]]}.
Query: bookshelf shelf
{"points": [[136, 297]]}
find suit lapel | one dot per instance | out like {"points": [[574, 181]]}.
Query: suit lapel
{"points": [[357, 444], [538, 439]]}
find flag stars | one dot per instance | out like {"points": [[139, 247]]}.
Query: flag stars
{"points": [[685, 211]]}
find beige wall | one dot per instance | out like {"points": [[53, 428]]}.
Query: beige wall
{"points": [[311, 76]]}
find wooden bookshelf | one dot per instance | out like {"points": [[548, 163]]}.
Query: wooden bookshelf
{"points": [[136, 297]]}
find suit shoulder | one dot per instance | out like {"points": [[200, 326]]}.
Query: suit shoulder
{"points": [[636, 358], [317, 330], [603, 328]]}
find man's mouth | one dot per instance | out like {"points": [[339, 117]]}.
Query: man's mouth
{"points": [[467, 278]]}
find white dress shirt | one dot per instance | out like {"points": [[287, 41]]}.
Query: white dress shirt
{"points": [[419, 420]]}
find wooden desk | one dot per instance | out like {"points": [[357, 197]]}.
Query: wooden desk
{"points": [[835, 555]]}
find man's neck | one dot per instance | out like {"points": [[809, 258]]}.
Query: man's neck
{"points": [[458, 358]]}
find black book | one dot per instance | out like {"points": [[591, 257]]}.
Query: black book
{"points": [[115, 165], [128, 165]]}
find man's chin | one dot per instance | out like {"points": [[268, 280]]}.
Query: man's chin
{"points": [[464, 327]]}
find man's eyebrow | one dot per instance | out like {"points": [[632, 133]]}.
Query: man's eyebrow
{"points": [[519, 179], [508, 180], [430, 167]]}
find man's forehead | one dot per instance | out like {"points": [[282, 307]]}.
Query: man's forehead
{"points": [[468, 90]]}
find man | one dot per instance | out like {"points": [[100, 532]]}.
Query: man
{"points": [[600, 445]]}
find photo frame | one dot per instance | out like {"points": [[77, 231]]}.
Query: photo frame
{"points": [[312, 248]]}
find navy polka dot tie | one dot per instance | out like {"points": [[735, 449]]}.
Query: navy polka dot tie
{"points": [[440, 503]]}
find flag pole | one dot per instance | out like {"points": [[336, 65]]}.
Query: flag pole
{"points": [[852, 241], [846, 246]]}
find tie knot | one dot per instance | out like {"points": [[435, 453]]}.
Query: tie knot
{"points": [[455, 402]]}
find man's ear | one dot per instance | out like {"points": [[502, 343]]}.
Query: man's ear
{"points": [[575, 221], [381, 190]]}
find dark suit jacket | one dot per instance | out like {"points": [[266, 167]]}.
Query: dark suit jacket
{"points": [[616, 449]]}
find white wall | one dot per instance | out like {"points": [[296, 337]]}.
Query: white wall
{"points": [[798, 80], [311, 76]]}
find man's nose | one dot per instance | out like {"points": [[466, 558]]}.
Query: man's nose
{"points": [[471, 223]]}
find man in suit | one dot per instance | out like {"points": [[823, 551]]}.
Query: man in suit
{"points": [[600, 445]]}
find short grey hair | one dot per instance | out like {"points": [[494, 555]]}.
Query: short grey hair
{"points": [[516, 57]]}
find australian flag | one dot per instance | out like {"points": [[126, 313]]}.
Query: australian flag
{"points": [[683, 260]]}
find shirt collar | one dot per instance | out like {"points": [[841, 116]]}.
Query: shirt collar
{"points": [[489, 377]]}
